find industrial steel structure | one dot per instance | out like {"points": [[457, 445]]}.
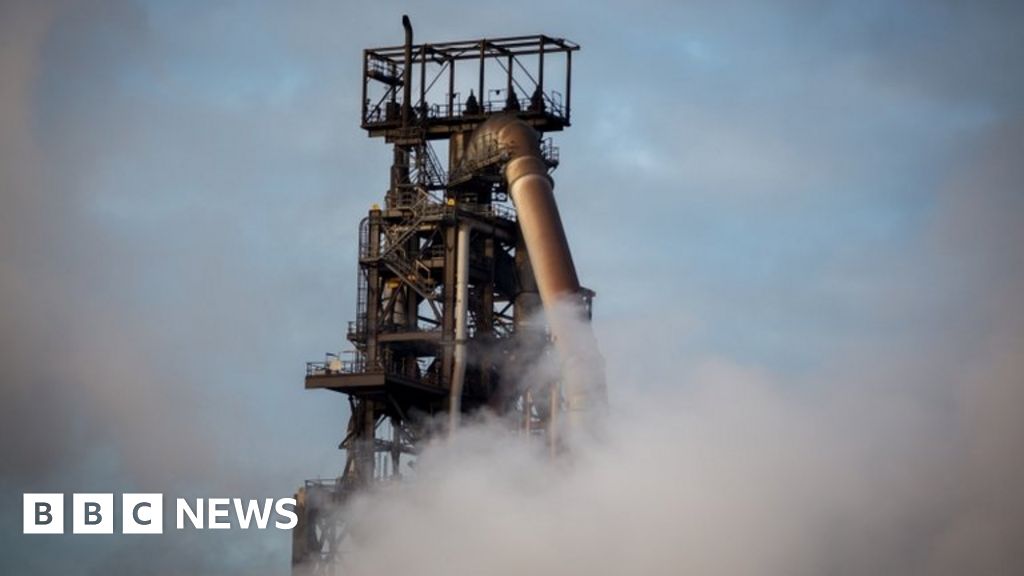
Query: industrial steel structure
{"points": [[454, 266]]}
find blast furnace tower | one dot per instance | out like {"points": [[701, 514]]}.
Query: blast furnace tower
{"points": [[454, 265]]}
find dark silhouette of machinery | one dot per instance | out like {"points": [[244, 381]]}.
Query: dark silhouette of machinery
{"points": [[455, 264]]}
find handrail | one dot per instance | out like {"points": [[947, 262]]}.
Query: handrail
{"points": [[378, 113]]}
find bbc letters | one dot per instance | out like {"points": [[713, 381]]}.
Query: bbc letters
{"points": [[94, 513]]}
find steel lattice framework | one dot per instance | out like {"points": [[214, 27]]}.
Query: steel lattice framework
{"points": [[399, 375]]}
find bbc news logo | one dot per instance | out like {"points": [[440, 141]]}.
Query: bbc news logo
{"points": [[144, 513]]}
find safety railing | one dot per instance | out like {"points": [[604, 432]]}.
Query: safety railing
{"points": [[331, 367], [385, 112]]}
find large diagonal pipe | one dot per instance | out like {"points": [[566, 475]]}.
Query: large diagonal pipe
{"points": [[532, 192]]}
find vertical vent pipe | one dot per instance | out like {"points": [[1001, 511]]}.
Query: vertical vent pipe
{"points": [[461, 312]]}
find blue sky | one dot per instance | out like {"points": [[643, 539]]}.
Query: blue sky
{"points": [[794, 187]]}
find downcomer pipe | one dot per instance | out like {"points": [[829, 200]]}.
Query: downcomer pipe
{"points": [[532, 193]]}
